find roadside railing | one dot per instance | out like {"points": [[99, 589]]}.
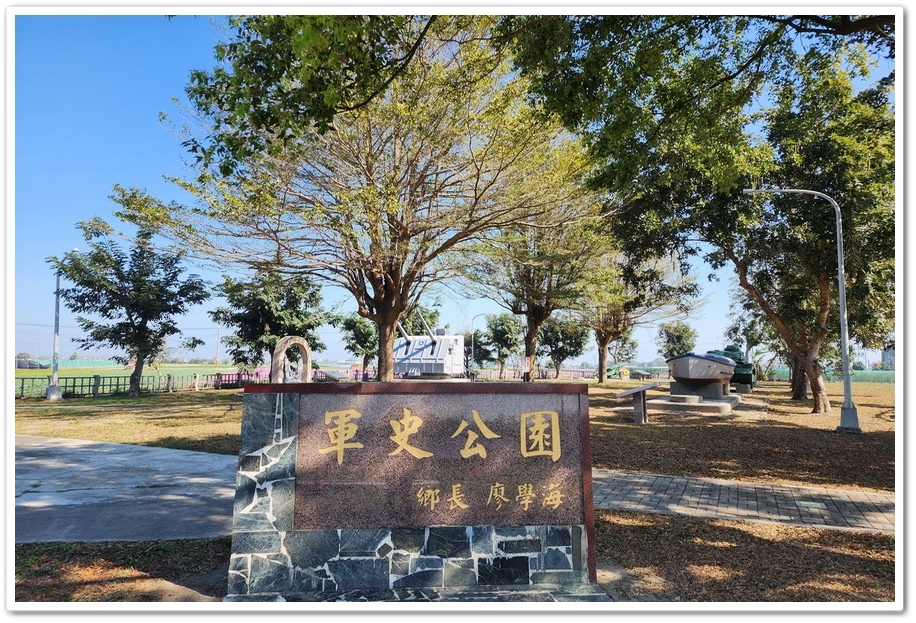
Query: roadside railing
{"points": [[97, 385]]}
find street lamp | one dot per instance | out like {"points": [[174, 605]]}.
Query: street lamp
{"points": [[472, 336], [54, 392], [849, 416]]}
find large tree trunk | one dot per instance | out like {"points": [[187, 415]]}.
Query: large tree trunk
{"points": [[534, 319], [602, 341], [386, 332], [815, 373], [799, 377], [531, 343], [135, 377]]}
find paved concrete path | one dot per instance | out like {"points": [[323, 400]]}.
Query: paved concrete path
{"points": [[72, 490], [813, 507]]}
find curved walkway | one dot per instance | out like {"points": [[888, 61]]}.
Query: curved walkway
{"points": [[812, 507]]}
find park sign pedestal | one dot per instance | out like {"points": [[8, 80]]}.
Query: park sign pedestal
{"points": [[423, 490]]}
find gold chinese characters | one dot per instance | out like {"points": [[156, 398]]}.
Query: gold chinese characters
{"points": [[539, 435]]}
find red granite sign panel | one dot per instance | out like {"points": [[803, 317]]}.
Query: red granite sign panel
{"points": [[439, 459]]}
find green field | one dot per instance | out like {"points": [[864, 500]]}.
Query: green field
{"points": [[173, 369]]}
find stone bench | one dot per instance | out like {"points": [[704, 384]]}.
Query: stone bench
{"points": [[640, 408]]}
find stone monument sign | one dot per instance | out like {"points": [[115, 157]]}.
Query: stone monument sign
{"points": [[411, 485]]}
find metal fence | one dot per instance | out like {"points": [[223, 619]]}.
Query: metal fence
{"points": [[76, 386], [97, 385]]}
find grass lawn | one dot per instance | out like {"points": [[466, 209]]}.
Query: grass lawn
{"points": [[662, 558]]}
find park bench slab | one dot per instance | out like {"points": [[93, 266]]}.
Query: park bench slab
{"points": [[640, 407]]}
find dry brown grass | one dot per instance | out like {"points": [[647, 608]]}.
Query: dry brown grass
{"points": [[206, 421], [768, 438], [661, 558], [693, 560]]}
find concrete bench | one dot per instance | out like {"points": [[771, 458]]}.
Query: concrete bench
{"points": [[640, 409]]}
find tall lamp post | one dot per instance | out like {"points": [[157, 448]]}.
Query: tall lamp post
{"points": [[472, 336], [849, 415], [54, 392]]}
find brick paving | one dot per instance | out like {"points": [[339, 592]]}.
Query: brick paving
{"points": [[813, 507]]}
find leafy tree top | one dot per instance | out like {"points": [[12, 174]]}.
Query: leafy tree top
{"points": [[127, 299]]}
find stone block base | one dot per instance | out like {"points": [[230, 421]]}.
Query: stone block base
{"points": [[264, 565], [713, 391], [724, 405], [686, 399]]}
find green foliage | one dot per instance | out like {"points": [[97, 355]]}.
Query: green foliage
{"points": [[135, 295], [562, 339], [504, 335], [678, 145], [623, 349], [675, 338], [619, 294], [359, 335], [381, 202], [751, 328], [264, 310], [477, 349], [640, 85], [413, 324], [281, 76], [537, 268]]}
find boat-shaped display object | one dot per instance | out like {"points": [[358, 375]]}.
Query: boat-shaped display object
{"points": [[695, 370]]}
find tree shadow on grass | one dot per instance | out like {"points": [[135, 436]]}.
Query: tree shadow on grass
{"points": [[725, 561], [122, 571], [739, 449]]}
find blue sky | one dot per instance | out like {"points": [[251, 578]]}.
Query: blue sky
{"points": [[88, 93]]}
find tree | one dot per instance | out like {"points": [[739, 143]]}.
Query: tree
{"points": [[561, 339], [825, 136], [416, 321], [379, 203], [264, 310], [476, 349], [749, 327], [536, 269], [283, 76], [504, 335], [619, 294], [360, 338], [675, 338], [621, 350], [635, 85], [673, 134], [136, 296]]}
